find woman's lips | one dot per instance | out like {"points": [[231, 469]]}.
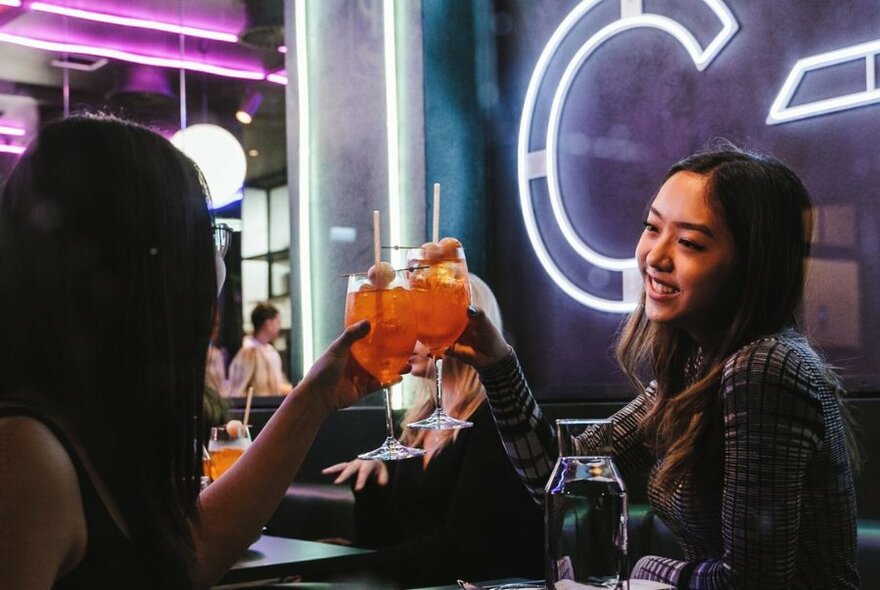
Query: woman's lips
{"points": [[658, 289]]}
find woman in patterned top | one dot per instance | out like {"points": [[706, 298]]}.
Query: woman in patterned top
{"points": [[741, 424]]}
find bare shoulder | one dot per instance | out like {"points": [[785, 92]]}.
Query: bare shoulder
{"points": [[41, 515]]}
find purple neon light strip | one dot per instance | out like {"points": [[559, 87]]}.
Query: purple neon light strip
{"points": [[11, 149], [12, 3], [148, 60], [277, 78], [15, 131], [138, 23]]}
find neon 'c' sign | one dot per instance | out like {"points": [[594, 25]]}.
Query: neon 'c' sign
{"points": [[535, 163]]}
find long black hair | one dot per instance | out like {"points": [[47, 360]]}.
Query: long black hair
{"points": [[768, 211], [106, 300]]}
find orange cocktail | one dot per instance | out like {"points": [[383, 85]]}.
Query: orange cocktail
{"points": [[383, 297], [222, 460], [384, 352], [441, 294], [226, 445]]}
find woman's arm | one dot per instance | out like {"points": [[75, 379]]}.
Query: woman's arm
{"points": [[236, 506]]}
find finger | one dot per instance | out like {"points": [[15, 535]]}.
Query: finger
{"points": [[351, 334], [382, 478], [363, 476], [334, 468], [346, 474]]}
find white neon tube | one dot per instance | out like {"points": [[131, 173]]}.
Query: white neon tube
{"points": [[392, 122], [304, 189], [782, 112]]}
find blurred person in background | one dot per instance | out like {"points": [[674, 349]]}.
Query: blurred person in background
{"points": [[257, 364]]}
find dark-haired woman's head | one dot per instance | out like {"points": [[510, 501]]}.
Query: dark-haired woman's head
{"points": [[765, 210], [722, 256], [107, 260]]}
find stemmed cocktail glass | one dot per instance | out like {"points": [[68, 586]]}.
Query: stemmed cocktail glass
{"points": [[383, 297], [441, 293]]}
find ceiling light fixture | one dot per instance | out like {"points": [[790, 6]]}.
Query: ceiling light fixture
{"points": [[127, 56], [137, 23], [11, 149], [12, 3], [278, 77], [219, 156], [249, 106], [9, 130]]}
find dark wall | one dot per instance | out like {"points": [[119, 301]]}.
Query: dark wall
{"points": [[639, 104]]}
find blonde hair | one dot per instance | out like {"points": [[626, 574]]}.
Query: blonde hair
{"points": [[459, 377]]}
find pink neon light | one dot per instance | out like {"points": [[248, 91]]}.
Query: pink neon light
{"points": [[282, 49], [7, 130], [12, 3], [138, 23], [148, 60], [11, 149], [277, 78]]}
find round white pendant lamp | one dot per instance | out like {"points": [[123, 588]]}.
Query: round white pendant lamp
{"points": [[220, 157]]}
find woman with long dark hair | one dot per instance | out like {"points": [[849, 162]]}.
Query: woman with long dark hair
{"points": [[109, 279], [737, 418]]}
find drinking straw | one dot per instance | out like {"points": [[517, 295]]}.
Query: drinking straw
{"points": [[435, 234], [247, 407], [377, 230]]}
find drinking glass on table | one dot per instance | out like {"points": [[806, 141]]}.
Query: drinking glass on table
{"points": [[225, 447], [441, 293], [383, 298]]}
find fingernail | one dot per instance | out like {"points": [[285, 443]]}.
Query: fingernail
{"points": [[472, 311]]}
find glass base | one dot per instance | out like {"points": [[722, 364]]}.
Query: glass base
{"points": [[391, 450], [439, 421]]}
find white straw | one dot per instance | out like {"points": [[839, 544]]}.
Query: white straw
{"points": [[377, 241], [247, 407], [435, 234]]}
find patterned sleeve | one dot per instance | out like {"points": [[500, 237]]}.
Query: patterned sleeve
{"points": [[528, 436], [773, 426]]}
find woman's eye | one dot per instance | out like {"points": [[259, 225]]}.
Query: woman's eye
{"points": [[690, 245], [650, 227]]}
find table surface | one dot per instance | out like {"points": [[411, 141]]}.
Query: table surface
{"points": [[272, 558], [633, 585]]}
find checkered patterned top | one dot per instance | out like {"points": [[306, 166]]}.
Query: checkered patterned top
{"points": [[784, 516]]}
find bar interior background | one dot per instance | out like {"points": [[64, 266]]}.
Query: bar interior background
{"points": [[548, 124]]}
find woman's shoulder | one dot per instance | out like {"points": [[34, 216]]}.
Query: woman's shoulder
{"points": [[40, 492], [785, 358]]}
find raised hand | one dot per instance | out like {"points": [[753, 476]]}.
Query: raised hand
{"points": [[363, 470], [336, 377], [481, 344]]}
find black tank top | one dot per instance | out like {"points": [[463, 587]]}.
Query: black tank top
{"points": [[110, 560]]}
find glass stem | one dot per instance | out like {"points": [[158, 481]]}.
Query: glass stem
{"points": [[389, 420], [438, 376]]}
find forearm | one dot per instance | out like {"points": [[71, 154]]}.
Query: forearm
{"points": [[525, 433], [236, 506]]}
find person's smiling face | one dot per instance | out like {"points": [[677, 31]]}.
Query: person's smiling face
{"points": [[687, 258]]}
